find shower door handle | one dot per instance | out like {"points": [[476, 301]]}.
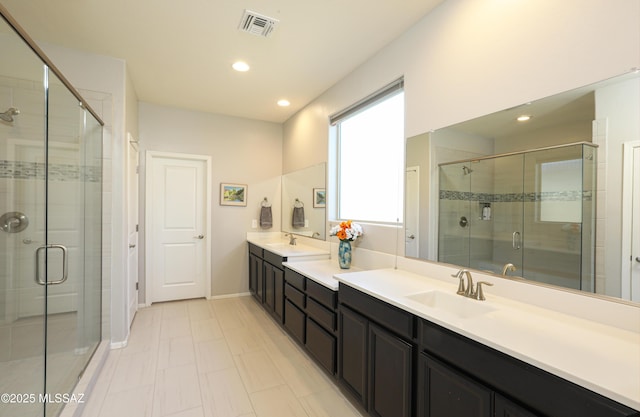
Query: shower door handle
{"points": [[65, 265], [515, 240]]}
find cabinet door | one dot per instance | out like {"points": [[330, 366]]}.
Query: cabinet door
{"points": [[352, 362], [322, 345], [294, 321], [390, 380], [278, 293], [268, 286], [255, 277], [507, 408], [444, 392]]}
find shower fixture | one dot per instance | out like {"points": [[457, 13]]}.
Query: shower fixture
{"points": [[466, 170], [7, 116]]}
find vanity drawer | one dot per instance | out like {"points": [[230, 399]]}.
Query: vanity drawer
{"points": [[273, 259], [256, 250], [295, 279], [391, 317], [294, 296], [322, 294], [321, 314]]}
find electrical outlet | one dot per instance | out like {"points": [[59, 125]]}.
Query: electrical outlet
{"points": [[254, 224]]}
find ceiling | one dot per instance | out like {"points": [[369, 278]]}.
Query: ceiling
{"points": [[180, 53]]}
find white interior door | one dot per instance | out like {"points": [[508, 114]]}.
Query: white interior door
{"points": [[132, 229], [177, 241], [412, 212], [635, 226], [631, 222]]}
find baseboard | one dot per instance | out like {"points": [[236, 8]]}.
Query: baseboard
{"points": [[119, 345], [220, 297]]}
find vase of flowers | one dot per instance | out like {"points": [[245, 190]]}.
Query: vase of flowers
{"points": [[347, 232]]}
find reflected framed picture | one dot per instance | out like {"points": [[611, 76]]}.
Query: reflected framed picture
{"points": [[319, 198], [233, 194]]}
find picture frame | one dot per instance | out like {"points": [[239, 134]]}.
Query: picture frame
{"points": [[319, 198], [233, 194]]}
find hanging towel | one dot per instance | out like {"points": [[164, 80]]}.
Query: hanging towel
{"points": [[298, 217], [266, 218]]}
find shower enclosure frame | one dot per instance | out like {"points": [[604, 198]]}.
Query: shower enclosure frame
{"points": [[57, 160], [473, 210]]}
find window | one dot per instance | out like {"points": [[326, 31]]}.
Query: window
{"points": [[370, 140], [561, 191]]}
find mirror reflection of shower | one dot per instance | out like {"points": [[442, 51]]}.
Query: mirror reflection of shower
{"points": [[7, 116], [466, 170]]}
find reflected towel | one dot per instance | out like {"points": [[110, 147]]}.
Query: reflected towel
{"points": [[298, 217], [266, 218]]}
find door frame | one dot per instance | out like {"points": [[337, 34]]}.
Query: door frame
{"points": [[149, 157], [627, 217], [133, 205]]}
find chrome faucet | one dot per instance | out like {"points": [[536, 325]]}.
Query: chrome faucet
{"points": [[468, 290], [508, 267], [292, 238]]}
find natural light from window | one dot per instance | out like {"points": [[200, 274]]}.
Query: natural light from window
{"points": [[371, 161]]}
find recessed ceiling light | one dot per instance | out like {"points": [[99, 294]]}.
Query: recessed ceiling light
{"points": [[240, 66], [524, 118], [283, 103]]}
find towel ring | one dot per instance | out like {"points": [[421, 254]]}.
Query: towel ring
{"points": [[265, 203], [298, 203]]}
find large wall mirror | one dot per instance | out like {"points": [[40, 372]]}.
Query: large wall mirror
{"points": [[550, 199], [304, 202]]}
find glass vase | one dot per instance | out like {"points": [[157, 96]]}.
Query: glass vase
{"points": [[344, 254]]}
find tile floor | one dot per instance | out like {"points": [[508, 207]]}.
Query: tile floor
{"points": [[216, 358]]}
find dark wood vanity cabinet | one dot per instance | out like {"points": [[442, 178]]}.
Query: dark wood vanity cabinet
{"points": [[376, 354], [310, 317], [459, 374], [266, 280]]}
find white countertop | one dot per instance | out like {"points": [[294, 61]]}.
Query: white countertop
{"points": [[602, 358], [321, 272], [280, 246]]}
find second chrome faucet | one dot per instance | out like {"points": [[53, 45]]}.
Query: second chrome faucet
{"points": [[467, 289]]}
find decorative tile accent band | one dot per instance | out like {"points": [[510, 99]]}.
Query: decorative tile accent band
{"points": [[516, 197], [57, 172]]}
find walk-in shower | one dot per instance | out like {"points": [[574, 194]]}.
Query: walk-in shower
{"points": [[533, 211], [50, 230]]}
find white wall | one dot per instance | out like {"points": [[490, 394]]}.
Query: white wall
{"points": [[243, 151], [468, 58]]}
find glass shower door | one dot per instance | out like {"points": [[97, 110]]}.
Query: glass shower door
{"points": [[72, 253], [454, 222], [22, 222], [497, 238]]}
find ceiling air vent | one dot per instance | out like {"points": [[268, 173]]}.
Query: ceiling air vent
{"points": [[257, 24]]}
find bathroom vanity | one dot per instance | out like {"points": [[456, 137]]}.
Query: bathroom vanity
{"points": [[402, 343]]}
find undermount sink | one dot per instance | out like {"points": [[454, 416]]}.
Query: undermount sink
{"points": [[278, 245], [454, 304]]}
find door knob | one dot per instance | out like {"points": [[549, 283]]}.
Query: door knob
{"points": [[637, 258], [131, 245], [199, 237], [411, 237]]}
